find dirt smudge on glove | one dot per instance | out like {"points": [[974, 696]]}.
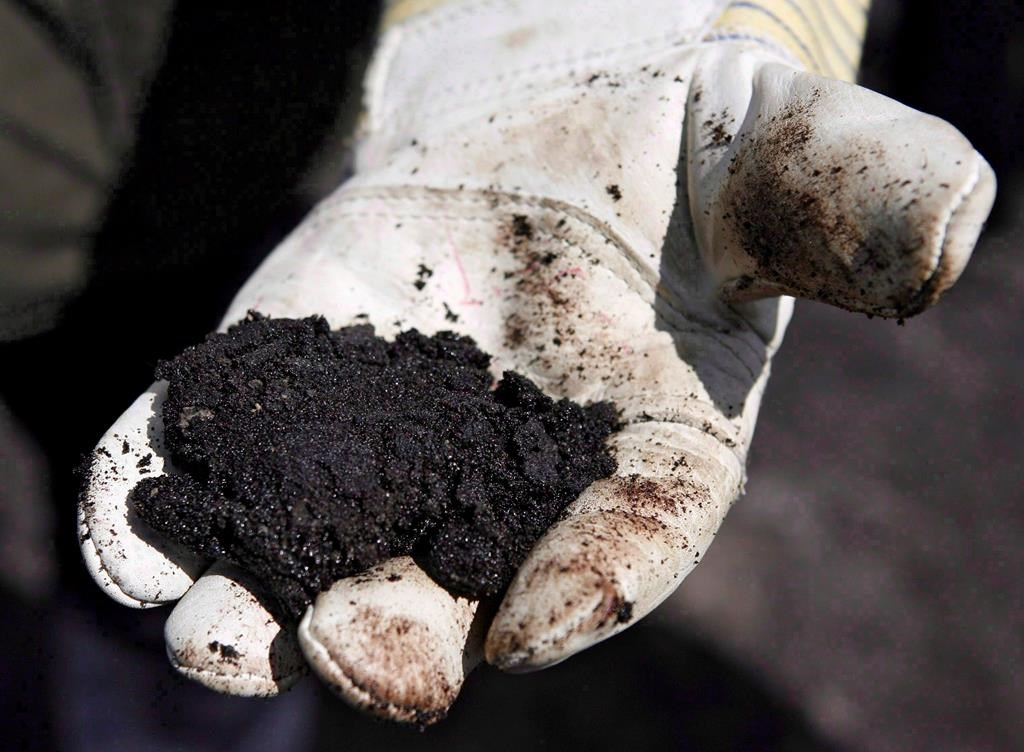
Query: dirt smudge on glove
{"points": [[806, 212]]}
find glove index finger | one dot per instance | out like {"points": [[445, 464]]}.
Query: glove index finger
{"points": [[620, 549], [129, 560]]}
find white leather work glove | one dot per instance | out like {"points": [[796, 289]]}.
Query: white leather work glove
{"points": [[614, 199]]}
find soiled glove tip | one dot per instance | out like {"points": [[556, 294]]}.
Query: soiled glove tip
{"points": [[127, 560], [838, 194], [390, 642], [519, 643], [969, 210], [225, 636]]}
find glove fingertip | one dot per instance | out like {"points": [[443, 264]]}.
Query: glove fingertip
{"points": [[223, 635], [391, 642], [131, 562]]}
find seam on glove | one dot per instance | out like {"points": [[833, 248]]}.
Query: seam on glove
{"points": [[708, 328], [86, 539], [737, 34], [704, 450], [338, 206], [567, 62], [356, 692], [926, 291], [397, 116], [436, 19], [400, 117], [690, 419], [283, 683]]}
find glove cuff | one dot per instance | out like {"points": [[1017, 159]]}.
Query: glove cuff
{"points": [[823, 37]]}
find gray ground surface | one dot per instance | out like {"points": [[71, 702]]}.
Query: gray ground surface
{"points": [[873, 569]]}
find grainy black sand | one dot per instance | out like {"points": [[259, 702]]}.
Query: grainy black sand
{"points": [[308, 455]]}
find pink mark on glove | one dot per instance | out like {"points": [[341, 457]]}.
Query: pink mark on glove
{"points": [[467, 291]]}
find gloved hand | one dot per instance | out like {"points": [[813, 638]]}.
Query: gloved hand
{"points": [[616, 202]]}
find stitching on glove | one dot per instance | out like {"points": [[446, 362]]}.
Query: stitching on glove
{"points": [[400, 116], [680, 417], [438, 18], [347, 684], [699, 447], [379, 72], [705, 328], [337, 206], [927, 290], [738, 34], [90, 541], [108, 575], [280, 683]]}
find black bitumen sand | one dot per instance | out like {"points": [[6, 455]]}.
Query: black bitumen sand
{"points": [[307, 455]]}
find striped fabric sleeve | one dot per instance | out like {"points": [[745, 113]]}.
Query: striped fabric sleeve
{"points": [[824, 35], [396, 11]]}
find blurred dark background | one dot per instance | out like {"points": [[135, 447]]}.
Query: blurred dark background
{"points": [[864, 595]]}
